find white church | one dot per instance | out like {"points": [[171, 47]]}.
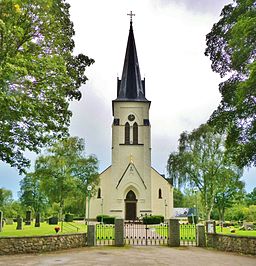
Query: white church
{"points": [[130, 187]]}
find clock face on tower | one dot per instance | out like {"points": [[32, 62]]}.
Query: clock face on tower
{"points": [[131, 117]]}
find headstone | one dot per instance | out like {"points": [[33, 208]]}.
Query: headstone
{"points": [[53, 220], [19, 223], [1, 221], [248, 226], [9, 221], [28, 218], [37, 223]]}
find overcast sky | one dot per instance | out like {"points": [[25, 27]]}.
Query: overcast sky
{"points": [[170, 40]]}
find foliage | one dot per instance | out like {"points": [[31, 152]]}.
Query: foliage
{"points": [[201, 163], [31, 195], [65, 171], [38, 76], [153, 219], [5, 197], [231, 45], [230, 190], [68, 217], [237, 213], [250, 198], [106, 219], [178, 198]]}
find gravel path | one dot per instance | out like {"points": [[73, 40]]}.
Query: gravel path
{"points": [[132, 255]]}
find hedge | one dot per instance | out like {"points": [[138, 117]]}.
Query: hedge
{"points": [[106, 219], [153, 219]]}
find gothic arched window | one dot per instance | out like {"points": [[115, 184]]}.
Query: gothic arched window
{"points": [[160, 193], [127, 133], [99, 193], [135, 133]]}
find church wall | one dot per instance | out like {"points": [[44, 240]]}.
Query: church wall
{"points": [[164, 204]]}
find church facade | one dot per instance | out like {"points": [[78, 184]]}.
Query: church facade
{"points": [[130, 187]]}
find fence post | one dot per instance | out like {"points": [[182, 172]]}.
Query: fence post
{"points": [[174, 233], [211, 232], [119, 232], [91, 235], [1, 221], [200, 235]]}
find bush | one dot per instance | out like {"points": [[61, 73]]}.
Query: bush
{"points": [[106, 219], [53, 220], [153, 219], [68, 217]]}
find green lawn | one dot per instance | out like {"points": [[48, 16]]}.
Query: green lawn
{"points": [[226, 230], [187, 231], [44, 229]]}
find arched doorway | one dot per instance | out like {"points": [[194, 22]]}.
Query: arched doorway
{"points": [[130, 206]]}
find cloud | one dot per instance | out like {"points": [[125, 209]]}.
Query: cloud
{"points": [[200, 6]]}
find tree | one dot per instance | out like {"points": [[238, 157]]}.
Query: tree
{"points": [[230, 190], [65, 172], [201, 163], [231, 45], [38, 76], [5, 197], [178, 198], [31, 194], [250, 198]]}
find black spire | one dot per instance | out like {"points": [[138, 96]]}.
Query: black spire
{"points": [[131, 87]]}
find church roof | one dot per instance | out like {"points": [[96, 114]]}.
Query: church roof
{"points": [[131, 87]]}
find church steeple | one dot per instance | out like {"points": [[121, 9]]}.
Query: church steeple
{"points": [[131, 87]]}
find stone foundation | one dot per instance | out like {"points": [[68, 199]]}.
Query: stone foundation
{"points": [[38, 244], [233, 243]]}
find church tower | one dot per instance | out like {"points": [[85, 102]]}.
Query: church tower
{"points": [[131, 144], [130, 187]]}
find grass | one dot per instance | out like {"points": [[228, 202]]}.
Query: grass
{"points": [[44, 229], [187, 231], [226, 231]]}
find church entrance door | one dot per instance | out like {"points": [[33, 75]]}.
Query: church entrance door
{"points": [[130, 206]]}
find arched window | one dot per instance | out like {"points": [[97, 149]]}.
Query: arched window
{"points": [[135, 133], [99, 193], [159, 193], [127, 133], [131, 196]]}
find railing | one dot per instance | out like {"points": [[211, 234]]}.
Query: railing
{"points": [[68, 225], [105, 234], [188, 234]]}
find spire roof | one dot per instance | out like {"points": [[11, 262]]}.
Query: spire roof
{"points": [[131, 87]]}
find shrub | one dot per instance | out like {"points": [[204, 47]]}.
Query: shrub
{"points": [[153, 219], [106, 219], [68, 217]]}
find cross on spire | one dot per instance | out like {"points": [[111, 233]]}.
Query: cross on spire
{"points": [[131, 14]]}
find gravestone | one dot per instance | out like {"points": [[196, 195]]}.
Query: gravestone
{"points": [[37, 223], [19, 223], [53, 220], [1, 221], [28, 218], [9, 221]]}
